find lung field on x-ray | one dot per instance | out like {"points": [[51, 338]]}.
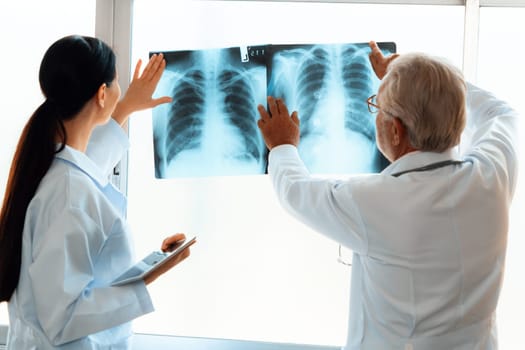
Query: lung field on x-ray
{"points": [[328, 85], [210, 128]]}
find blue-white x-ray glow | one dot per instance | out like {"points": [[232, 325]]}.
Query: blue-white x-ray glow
{"points": [[328, 85], [210, 128]]}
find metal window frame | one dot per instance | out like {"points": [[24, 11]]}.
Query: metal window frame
{"points": [[113, 24], [3, 336]]}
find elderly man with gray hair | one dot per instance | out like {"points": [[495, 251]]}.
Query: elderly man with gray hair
{"points": [[429, 232]]}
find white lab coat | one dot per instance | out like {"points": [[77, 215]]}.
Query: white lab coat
{"points": [[75, 242], [429, 247]]}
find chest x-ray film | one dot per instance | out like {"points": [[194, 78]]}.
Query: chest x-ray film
{"points": [[210, 128]]}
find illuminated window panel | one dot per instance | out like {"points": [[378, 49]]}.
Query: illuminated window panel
{"points": [[255, 273]]}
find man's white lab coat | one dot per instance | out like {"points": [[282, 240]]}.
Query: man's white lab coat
{"points": [[429, 247], [75, 242]]}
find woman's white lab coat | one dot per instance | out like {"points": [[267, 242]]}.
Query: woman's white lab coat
{"points": [[429, 247], [75, 242]]}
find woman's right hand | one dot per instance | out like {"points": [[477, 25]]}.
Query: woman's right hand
{"points": [[139, 95], [169, 244], [379, 61]]}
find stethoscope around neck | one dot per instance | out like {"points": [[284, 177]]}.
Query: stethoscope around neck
{"points": [[427, 167]]}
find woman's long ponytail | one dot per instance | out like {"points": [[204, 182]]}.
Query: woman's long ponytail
{"points": [[33, 156], [71, 71]]}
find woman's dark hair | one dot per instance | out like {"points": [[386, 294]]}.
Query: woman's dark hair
{"points": [[71, 72]]}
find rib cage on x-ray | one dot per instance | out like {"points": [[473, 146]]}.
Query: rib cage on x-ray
{"points": [[185, 121], [240, 106], [210, 127], [328, 85]]}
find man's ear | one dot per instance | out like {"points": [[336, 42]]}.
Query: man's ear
{"points": [[101, 95], [397, 130]]}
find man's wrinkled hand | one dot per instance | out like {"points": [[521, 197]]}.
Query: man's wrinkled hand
{"points": [[276, 124]]}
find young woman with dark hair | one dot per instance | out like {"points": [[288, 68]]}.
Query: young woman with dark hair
{"points": [[63, 235]]}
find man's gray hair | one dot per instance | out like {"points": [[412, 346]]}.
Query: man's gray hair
{"points": [[428, 95]]}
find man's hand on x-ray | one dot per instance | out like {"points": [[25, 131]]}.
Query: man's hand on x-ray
{"points": [[379, 61], [276, 124]]}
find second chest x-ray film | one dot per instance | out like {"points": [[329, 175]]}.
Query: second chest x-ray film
{"points": [[210, 127]]}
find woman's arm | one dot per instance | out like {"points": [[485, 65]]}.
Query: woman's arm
{"points": [[139, 95], [70, 302]]}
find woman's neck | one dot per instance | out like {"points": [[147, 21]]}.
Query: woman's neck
{"points": [[79, 129]]}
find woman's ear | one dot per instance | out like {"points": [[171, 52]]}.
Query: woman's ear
{"points": [[101, 95]]}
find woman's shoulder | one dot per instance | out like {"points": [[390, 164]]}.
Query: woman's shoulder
{"points": [[66, 180], [69, 187], [66, 194]]}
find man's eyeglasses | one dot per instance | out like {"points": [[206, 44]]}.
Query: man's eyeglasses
{"points": [[372, 104]]}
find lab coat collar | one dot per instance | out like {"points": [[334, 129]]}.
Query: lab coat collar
{"points": [[418, 159], [83, 163]]}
